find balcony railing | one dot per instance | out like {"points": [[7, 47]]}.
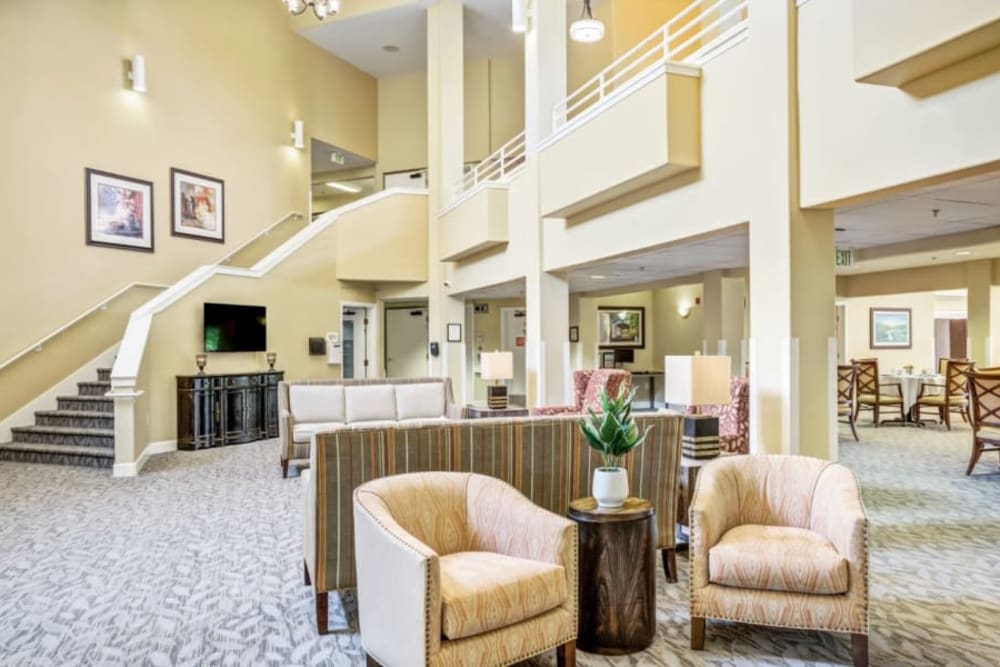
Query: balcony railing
{"points": [[684, 38], [499, 166]]}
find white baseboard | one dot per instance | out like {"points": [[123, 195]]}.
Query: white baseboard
{"points": [[152, 449], [25, 415]]}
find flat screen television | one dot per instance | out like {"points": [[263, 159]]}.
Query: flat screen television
{"points": [[233, 328]]}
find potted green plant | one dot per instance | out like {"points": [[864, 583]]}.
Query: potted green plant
{"points": [[613, 433]]}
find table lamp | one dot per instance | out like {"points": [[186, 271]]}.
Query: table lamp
{"points": [[496, 366], [696, 381]]}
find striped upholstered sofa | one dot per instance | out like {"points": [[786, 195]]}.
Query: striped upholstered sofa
{"points": [[545, 458]]}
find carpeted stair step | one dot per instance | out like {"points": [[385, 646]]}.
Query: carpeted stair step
{"points": [[97, 388], [35, 452], [61, 435], [104, 374], [86, 403], [75, 419]]}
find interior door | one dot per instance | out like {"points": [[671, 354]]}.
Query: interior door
{"points": [[354, 337], [406, 342]]}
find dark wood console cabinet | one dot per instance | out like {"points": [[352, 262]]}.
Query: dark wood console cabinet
{"points": [[216, 410]]}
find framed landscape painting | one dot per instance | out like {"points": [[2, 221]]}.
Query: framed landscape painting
{"points": [[197, 206], [621, 326], [891, 329], [119, 211]]}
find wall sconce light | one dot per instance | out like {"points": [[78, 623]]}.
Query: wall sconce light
{"points": [[138, 74], [299, 134], [684, 309], [519, 16]]}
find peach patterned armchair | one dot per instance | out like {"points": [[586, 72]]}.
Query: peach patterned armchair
{"points": [[781, 541], [587, 389], [462, 569]]}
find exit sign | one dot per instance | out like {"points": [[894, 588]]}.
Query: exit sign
{"points": [[844, 257]]}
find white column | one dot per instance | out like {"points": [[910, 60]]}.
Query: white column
{"points": [[445, 137]]}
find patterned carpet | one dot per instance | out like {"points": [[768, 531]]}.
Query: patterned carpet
{"points": [[198, 562]]}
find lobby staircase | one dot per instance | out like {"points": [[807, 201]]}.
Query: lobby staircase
{"points": [[80, 431]]}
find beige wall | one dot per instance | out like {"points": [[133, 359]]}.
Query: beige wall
{"points": [[676, 334], [225, 82], [302, 299], [494, 112], [856, 321], [384, 241], [885, 137], [889, 32]]}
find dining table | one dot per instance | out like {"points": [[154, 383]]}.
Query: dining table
{"points": [[909, 385]]}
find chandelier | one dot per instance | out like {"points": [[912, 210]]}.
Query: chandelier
{"points": [[586, 28], [321, 8]]}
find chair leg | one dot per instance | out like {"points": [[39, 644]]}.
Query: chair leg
{"points": [[697, 633], [854, 428], [284, 468], [977, 450], [669, 564], [859, 650], [965, 415], [947, 417], [566, 654], [305, 573], [322, 613], [875, 415]]}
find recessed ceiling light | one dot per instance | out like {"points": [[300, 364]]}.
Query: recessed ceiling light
{"points": [[390, 48], [963, 253], [598, 276], [344, 187]]}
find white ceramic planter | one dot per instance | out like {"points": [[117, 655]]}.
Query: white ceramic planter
{"points": [[610, 487]]}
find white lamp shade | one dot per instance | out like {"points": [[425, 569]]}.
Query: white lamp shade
{"points": [[496, 365], [698, 380]]}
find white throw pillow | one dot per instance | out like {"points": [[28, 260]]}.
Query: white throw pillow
{"points": [[370, 402], [316, 402], [424, 400]]}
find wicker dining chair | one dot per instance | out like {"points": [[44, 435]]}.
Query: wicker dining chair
{"points": [[952, 396], [847, 377], [870, 394], [984, 389]]}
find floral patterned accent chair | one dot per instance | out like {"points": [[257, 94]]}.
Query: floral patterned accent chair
{"points": [[477, 573], [587, 389], [780, 541], [734, 417]]}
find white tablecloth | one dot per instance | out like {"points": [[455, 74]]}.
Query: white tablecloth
{"points": [[910, 384]]}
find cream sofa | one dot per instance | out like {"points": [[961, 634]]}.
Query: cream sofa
{"points": [[462, 569], [307, 407]]}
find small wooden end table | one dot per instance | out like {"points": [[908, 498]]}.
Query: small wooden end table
{"points": [[483, 411], [617, 565]]}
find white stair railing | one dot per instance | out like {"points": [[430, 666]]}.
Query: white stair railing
{"points": [[497, 167], [679, 40]]}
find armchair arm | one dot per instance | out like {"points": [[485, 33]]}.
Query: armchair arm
{"points": [[502, 520], [399, 587], [454, 411], [714, 510], [838, 513]]}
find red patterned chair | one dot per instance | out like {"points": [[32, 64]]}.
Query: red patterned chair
{"points": [[587, 389], [734, 417]]}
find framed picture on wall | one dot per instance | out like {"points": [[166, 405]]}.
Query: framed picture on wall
{"points": [[890, 329], [197, 206], [119, 211], [621, 326], [574, 334], [454, 332]]}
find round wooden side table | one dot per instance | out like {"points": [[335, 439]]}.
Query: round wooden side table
{"points": [[617, 565]]}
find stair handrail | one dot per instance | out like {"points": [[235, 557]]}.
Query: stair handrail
{"points": [[499, 166], [259, 235], [99, 306], [661, 43], [125, 371]]}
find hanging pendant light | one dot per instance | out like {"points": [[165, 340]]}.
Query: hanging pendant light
{"points": [[586, 29], [321, 8]]}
